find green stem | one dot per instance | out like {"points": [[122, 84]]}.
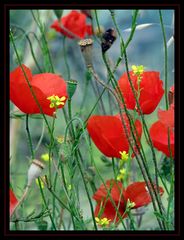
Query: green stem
{"points": [[87, 191], [29, 137], [31, 46], [44, 200], [115, 85], [157, 195], [45, 44], [65, 58], [165, 58]]}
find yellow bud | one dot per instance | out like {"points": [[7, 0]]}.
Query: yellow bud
{"points": [[45, 157], [124, 155]]}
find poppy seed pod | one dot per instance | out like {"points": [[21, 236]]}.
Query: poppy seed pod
{"points": [[71, 87], [86, 49], [34, 170]]}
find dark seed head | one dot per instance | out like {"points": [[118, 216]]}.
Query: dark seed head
{"points": [[108, 39]]}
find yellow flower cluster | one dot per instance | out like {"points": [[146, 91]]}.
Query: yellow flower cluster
{"points": [[56, 101], [122, 174], [138, 70], [102, 221], [130, 204], [124, 156]]}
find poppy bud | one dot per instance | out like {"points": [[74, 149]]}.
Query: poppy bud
{"points": [[86, 49], [34, 170], [108, 39], [71, 87], [58, 13]]}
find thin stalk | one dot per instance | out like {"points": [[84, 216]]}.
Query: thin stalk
{"points": [[70, 117], [50, 149], [134, 18], [45, 203], [45, 44], [111, 76], [31, 47], [87, 191], [29, 136], [165, 59], [142, 117], [65, 58], [41, 138]]}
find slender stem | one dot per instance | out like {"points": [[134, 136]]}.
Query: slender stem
{"points": [[165, 58], [157, 195], [70, 117], [45, 203], [31, 46], [29, 136], [115, 85], [87, 191], [41, 138], [65, 58], [45, 44]]}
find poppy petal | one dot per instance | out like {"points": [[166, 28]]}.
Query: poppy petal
{"points": [[108, 135], [109, 211], [74, 23], [43, 85], [115, 188], [159, 136], [126, 90], [50, 84], [167, 117], [151, 90], [138, 193], [13, 201]]}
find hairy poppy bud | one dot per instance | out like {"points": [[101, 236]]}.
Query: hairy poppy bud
{"points": [[35, 170], [108, 39]]}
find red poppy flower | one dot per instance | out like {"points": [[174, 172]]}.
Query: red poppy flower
{"points": [[44, 85], [151, 90], [136, 192], [73, 24], [159, 132], [13, 201], [108, 134]]}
